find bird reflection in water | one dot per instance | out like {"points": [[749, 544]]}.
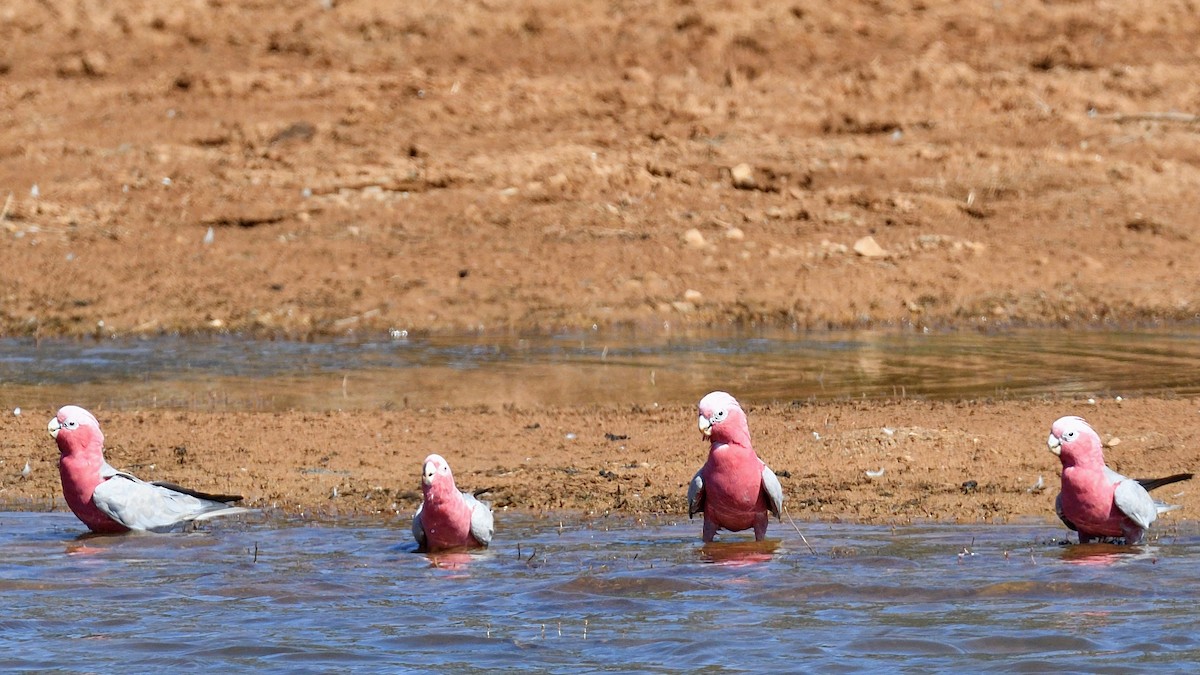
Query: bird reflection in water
{"points": [[1105, 553], [739, 552]]}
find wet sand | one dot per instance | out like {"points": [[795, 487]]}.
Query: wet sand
{"points": [[969, 462]]}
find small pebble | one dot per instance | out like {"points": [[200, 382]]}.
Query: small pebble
{"points": [[743, 177], [867, 247]]}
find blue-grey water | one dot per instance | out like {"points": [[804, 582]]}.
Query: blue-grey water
{"points": [[567, 593], [578, 595], [228, 373]]}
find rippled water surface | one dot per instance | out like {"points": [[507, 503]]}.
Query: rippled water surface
{"points": [[234, 374], [570, 595]]}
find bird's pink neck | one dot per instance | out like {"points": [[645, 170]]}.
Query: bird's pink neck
{"points": [[81, 457], [724, 451], [444, 494], [446, 516], [1084, 454], [733, 440]]}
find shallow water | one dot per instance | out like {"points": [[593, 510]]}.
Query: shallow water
{"points": [[234, 374], [568, 594], [609, 594]]}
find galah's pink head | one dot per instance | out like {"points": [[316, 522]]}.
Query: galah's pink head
{"points": [[436, 473], [76, 431], [722, 419], [1075, 442]]}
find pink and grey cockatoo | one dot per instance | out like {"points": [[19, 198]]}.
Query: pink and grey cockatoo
{"points": [[735, 489], [112, 501], [448, 518], [1096, 501]]}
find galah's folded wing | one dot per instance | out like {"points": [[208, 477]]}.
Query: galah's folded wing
{"points": [[139, 505], [1133, 500], [773, 491], [696, 495], [418, 528], [483, 523]]}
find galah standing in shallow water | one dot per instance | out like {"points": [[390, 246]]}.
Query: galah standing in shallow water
{"points": [[448, 518], [1096, 501], [111, 501], [735, 489]]}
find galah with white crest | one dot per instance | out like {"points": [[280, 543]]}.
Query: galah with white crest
{"points": [[448, 518], [112, 501], [734, 489], [1096, 501]]}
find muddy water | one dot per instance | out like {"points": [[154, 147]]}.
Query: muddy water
{"points": [[570, 595], [233, 374]]}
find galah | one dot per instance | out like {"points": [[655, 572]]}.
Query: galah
{"points": [[734, 489], [1096, 501], [112, 501], [448, 518]]}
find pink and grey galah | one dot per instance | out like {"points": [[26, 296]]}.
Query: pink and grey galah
{"points": [[448, 518], [112, 501], [734, 489], [1096, 501]]}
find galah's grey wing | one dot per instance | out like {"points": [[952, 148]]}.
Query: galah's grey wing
{"points": [[773, 491], [1114, 477], [418, 528], [1133, 500], [696, 495], [1063, 518], [483, 523], [139, 505]]}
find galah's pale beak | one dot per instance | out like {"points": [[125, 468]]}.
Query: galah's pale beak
{"points": [[1055, 444], [705, 426], [53, 427], [427, 473]]}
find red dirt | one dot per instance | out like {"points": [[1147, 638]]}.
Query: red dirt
{"points": [[539, 166], [437, 166]]}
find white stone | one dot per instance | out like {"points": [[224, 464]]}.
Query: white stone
{"points": [[694, 239], [743, 177], [867, 247]]}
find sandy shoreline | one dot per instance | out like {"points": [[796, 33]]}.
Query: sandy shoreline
{"points": [[629, 459], [348, 169]]}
